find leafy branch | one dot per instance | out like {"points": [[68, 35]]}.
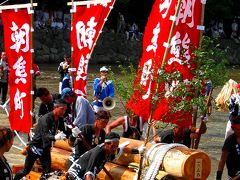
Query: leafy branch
{"points": [[210, 62]]}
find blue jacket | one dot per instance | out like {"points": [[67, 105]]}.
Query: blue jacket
{"points": [[104, 90]]}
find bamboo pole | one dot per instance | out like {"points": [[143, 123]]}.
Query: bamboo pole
{"points": [[81, 3], [4, 2], [154, 99], [17, 6], [195, 109], [72, 11], [31, 62]]}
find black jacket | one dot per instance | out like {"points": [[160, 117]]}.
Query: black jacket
{"points": [[44, 132], [5, 170]]}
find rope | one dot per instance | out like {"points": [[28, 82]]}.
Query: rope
{"points": [[158, 158]]}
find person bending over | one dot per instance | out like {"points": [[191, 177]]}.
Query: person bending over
{"points": [[41, 143], [92, 161], [180, 135], [132, 126], [93, 134]]}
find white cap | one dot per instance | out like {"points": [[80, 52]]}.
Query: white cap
{"points": [[103, 69]]}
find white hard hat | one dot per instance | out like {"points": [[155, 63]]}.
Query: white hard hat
{"points": [[103, 69]]}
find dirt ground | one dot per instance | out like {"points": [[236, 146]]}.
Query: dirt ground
{"points": [[211, 142]]}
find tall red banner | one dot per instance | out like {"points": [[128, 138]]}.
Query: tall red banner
{"points": [[87, 23], [17, 38], [185, 36]]}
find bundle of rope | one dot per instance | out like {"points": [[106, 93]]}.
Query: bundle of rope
{"points": [[157, 153]]}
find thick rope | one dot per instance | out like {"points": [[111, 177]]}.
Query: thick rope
{"points": [[158, 158]]}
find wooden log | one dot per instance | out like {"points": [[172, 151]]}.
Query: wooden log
{"points": [[179, 161], [59, 159], [117, 171], [127, 157], [33, 175], [63, 144], [123, 173]]}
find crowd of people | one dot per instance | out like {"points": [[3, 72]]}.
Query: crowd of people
{"points": [[88, 129], [56, 20], [131, 30], [217, 29], [85, 124]]}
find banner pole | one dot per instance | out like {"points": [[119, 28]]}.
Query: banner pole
{"points": [[195, 110], [4, 2], [71, 28], [31, 62], [153, 100], [194, 120]]}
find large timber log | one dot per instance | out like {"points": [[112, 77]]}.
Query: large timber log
{"points": [[63, 144], [59, 158], [178, 161], [118, 172], [124, 173]]}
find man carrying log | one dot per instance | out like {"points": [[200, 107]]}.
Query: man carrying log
{"points": [[91, 162], [132, 126], [180, 135], [41, 143], [93, 134]]}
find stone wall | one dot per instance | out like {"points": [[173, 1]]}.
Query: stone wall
{"points": [[111, 48]]}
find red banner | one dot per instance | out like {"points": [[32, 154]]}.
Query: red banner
{"points": [[185, 36], [17, 38], [87, 23]]}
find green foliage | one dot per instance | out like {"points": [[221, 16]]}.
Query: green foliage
{"points": [[211, 65], [124, 83], [212, 61]]}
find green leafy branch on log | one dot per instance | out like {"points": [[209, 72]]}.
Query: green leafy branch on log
{"points": [[211, 63]]}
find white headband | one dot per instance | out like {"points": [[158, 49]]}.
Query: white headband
{"points": [[111, 140]]}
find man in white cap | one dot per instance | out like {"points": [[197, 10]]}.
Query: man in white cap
{"points": [[102, 88]]}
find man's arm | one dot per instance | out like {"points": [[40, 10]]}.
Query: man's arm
{"points": [[95, 161], [81, 116], [221, 164], [119, 121], [97, 86]]}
